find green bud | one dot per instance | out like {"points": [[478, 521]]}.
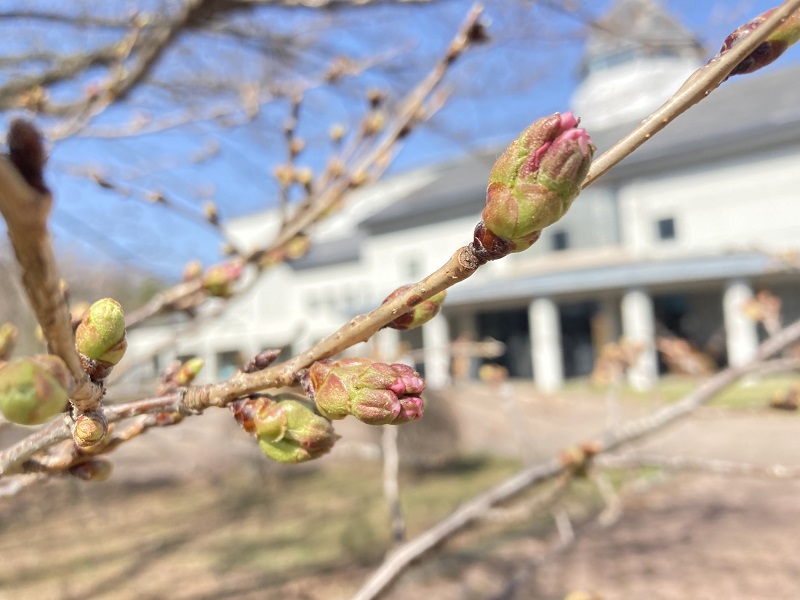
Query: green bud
{"points": [[287, 427], [533, 184], [34, 390], [188, 371], [374, 393], [422, 312], [218, 279], [101, 333], [89, 429]]}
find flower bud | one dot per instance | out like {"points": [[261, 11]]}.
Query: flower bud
{"points": [[8, 337], [375, 393], [188, 371], [786, 34], [533, 184], [100, 338], [420, 314], [287, 427], [193, 270], [218, 279], [92, 470], [33, 390], [89, 429]]}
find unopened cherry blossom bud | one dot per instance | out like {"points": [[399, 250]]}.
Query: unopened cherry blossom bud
{"points": [[786, 34], [192, 270], [287, 427], [375, 393], [100, 338], [33, 390], [423, 312], [219, 279], [189, 370], [89, 429], [533, 184]]}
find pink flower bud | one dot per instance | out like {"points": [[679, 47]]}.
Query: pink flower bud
{"points": [[423, 312], [786, 34], [218, 279], [375, 393], [533, 184]]}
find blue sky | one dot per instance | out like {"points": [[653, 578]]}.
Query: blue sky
{"points": [[530, 69]]}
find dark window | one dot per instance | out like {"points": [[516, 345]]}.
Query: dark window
{"points": [[666, 229], [228, 363], [560, 240]]}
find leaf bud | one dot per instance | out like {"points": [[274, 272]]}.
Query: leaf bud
{"points": [[89, 429], [100, 338]]}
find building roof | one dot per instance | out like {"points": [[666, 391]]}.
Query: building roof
{"points": [[742, 116], [621, 275]]}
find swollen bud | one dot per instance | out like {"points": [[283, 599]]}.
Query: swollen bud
{"points": [[786, 34], [218, 280], [420, 314], [34, 390], [188, 371], [100, 338], [89, 429], [287, 427], [374, 393], [533, 184]]}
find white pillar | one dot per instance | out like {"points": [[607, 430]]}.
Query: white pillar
{"points": [[436, 343], [386, 345], [638, 325], [741, 332], [545, 331]]}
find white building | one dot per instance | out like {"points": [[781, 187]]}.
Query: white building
{"points": [[675, 239]]}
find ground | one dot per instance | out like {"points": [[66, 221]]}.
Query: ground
{"points": [[215, 521]]}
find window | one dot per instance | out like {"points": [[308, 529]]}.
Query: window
{"points": [[228, 363], [666, 229], [560, 240], [413, 268]]}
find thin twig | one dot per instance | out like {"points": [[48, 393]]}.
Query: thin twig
{"points": [[404, 555]]}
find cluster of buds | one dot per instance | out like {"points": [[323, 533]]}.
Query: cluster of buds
{"points": [[34, 390], [786, 34], [422, 312], [375, 393], [100, 338], [287, 427], [532, 185], [218, 280]]}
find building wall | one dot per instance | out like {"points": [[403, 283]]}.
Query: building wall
{"points": [[745, 202]]}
